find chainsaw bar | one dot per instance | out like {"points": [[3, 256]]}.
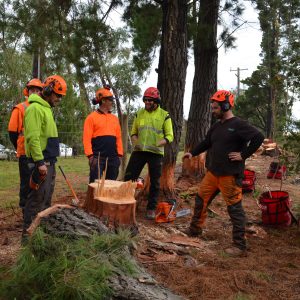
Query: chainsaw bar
{"points": [[183, 212]]}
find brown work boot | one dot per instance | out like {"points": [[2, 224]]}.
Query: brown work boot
{"points": [[194, 231], [150, 214], [235, 252]]}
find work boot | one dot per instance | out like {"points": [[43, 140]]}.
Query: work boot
{"points": [[193, 231], [150, 214], [198, 211], [238, 220], [235, 252]]}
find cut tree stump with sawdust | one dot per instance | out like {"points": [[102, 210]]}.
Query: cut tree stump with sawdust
{"points": [[75, 223], [112, 200]]}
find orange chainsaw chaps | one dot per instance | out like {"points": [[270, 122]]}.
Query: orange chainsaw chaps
{"points": [[165, 213]]}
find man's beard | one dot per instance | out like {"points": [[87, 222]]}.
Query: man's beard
{"points": [[218, 116]]}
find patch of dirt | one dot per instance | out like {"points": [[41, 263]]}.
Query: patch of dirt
{"points": [[271, 269], [199, 268]]}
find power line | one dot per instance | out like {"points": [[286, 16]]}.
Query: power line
{"points": [[238, 70]]}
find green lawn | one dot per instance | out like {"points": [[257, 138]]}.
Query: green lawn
{"points": [[9, 177], [76, 170]]}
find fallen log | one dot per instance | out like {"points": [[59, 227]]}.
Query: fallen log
{"points": [[75, 223]]}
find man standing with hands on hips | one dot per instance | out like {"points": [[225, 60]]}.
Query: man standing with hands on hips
{"points": [[230, 141]]}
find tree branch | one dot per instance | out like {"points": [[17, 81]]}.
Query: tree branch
{"points": [[232, 33]]}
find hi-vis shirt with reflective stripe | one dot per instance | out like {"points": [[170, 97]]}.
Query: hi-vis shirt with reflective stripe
{"points": [[150, 128], [16, 124]]}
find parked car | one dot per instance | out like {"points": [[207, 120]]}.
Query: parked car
{"points": [[7, 154], [65, 150], [3, 154]]}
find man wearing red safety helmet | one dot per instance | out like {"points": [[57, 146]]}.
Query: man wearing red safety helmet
{"points": [[16, 135], [229, 142], [42, 146], [151, 130], [102, 137]]}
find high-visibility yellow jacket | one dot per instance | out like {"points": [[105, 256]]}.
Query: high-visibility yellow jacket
{"points": [[41, 138], [150, 128]]}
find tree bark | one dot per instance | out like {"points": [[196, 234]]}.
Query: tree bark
{"points": [[76, 223], [171, 77], [124, 126], [205, 78]]}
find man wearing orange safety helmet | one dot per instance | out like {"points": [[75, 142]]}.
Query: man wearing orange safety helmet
{"points": [[16, 135], [102, 138], [151, 131], [230, 141], [42, 146]]}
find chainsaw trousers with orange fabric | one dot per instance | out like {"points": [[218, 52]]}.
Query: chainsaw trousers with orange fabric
{"points": [[231, 191]]}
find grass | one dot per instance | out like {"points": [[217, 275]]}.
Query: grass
{"points": [[49, 267], [9, 184], [76, 170], [9, 178], [242, 296], [78, 165]]}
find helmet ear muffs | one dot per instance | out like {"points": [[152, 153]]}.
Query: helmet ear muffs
{"points": [[25, 92], [48, 89], [225, 105]]}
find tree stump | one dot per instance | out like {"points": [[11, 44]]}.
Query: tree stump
{"points": [[112, 200]]}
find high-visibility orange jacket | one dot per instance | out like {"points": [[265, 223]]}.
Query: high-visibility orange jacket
{"points": [[102, 134], [16, 127]]}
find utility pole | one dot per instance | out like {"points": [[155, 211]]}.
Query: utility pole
{"points": [[238, 70]]}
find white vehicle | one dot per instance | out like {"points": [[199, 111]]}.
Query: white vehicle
{"points": [[7, 154], [65, 150], [3, 154]]}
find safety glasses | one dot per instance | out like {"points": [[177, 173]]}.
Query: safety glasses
{"points": [[148, 100], [109, 98], [58, 95]]}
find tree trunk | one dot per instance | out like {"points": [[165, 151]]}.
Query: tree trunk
{"points": [[124, 126], [205, 79], [76, 223], [82, 89], [171, 78], [36, 64]]}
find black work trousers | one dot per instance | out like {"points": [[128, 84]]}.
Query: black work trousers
{"points": [[137, 161], [40, 199], [112, 172], [24, 173]]}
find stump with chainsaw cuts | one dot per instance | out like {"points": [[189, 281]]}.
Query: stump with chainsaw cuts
{"points": [[112, 200]]}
